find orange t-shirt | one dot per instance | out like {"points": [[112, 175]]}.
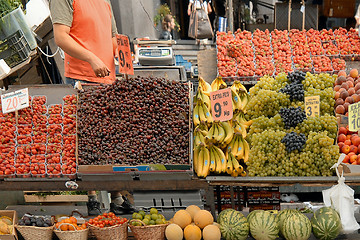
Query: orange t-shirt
{"points": [[92, 29]]}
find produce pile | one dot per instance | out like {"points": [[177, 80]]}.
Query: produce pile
{"points": [[41, 142], [134, 122], [141, 218], [284, 141], [193, 223], [246, 55], [347, 92], [220, 147], [6, 225]]}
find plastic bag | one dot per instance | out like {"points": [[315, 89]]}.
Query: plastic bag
{"points": [[341, 198]]}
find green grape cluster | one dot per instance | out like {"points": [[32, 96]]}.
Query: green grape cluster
{"points": [[264, 83], [266, 103], [268, 157], [316, 124], [263, 123], [327, 99], [318, 81]]}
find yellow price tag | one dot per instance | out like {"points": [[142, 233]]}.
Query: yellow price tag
{"points": [[354, 117], [312, 106]]}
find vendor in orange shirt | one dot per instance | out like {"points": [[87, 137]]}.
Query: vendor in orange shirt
{"points": [[86, 31]]}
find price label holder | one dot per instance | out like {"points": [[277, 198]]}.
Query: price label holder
{"points": [[13, 101], [221, 105], [124, 55], [354, 117], [312, 106]]}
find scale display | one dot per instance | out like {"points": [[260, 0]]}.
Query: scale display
{"points": [[154, 52]]}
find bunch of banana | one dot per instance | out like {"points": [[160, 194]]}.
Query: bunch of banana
{"points": [[204, 86], [201, 113], [229, 133], [237, 86], [200, 132], [242, 92], [201, 96], [238, 128], [240, 117], [217, 160], [201, 160], [216, 132], [239, 147], [233, 166], [236, 101], [218, 84]]}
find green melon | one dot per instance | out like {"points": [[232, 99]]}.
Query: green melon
{"points": [[223, 213], [234, 226], [263, 226], [251, 214], [296, 227], [326, 223], [282, 215]]}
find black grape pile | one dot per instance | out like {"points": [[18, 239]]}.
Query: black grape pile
{"points": [[293, 141], [295, 91], [292, 116], [296, 76]]}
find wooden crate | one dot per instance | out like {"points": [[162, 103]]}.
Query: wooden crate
{"points": [[31, 198]]}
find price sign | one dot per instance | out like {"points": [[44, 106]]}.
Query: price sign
{"points": [[354, 117], [312, 106], [124, 55], [221, 105], [13, 101]]}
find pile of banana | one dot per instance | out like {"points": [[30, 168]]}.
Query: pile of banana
{"points": [[219, 147]]}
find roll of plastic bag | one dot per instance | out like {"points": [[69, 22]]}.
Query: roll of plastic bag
{"points": [[341, 198]]}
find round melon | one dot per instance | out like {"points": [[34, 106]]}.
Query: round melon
{"points": [[192, 232], [216, 224], [296, 227], [182, 218], [283, 214], [223, 213], [211, 232], [192, 210], [234, 226], [252, 213], [263, 225], [174, 232], [203, 218], [326, 223]]}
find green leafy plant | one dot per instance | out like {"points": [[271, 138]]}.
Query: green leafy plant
{"points": [[162, 11]]}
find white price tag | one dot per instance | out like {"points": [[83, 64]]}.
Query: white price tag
{"points": [[302, 9], [13, 101]]}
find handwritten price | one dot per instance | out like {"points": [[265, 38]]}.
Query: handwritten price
{"points": [[15, 100]]}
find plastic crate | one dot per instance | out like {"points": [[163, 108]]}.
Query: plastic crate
{"points": [[15, 49]]}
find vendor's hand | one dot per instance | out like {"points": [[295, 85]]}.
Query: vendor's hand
{"points": [[100, 69], [189, 11]]}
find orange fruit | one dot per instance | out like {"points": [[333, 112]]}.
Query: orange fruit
{"points": [[83, 226], [64, 227], [73, 220]]}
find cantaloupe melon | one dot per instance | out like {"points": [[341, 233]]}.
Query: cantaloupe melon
{"points": [[182, 218], [192, 232], [192, 210], [174, 232], [203, 218], [211, 232]]}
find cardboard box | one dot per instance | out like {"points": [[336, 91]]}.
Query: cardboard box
{"points": [[349, 169], [12, 214]]}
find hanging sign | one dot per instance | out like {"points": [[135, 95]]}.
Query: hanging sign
{"points": [[124, 55], [221, 105], [312, 106]]}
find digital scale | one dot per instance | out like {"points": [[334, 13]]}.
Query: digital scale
{"points": [[159, 55]]}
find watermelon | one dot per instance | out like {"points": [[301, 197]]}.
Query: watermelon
{"points": [[326, 223], [282, 215], [251, 214], [234, 226], [296, 227], [223, 213], [263, 226]]}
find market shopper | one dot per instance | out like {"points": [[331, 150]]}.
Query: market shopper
{"points": [[168, 24], [86, 31], [357, 17], [206, 4]]}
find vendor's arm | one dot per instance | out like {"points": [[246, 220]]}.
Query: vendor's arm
{"points": [[190, 7], [74, 49], [357, 16]]}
